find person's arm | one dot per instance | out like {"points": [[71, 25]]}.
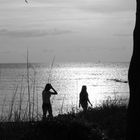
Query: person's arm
{"points": [[79, 104], [55, 92], [89, 102], [79, 101]]}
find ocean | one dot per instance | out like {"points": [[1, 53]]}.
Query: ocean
{"points": [[103, 81]]}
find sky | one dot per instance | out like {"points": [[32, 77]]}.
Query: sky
{"points": [[70, 30]]}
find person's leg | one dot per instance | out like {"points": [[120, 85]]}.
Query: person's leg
{"points": [[50, 111], [84, 106], [44, 108], [85, 109]]}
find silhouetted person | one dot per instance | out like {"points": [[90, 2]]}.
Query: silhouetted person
{"points": [[84, 100], [46, 95]]}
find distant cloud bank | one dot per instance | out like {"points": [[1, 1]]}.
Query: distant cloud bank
{"points": [[32, 33]]}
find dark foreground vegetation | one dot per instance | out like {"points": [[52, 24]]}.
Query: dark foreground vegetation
{"points": [[106, 122]]}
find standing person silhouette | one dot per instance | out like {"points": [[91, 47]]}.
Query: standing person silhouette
{"points": [[46, 95], [84, 100]]}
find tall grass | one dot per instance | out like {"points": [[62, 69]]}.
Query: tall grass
{"points": [[28, 86], [34, 89], [2, 108], [50, 71], [11, 106], [61, 108], [21, 108]]}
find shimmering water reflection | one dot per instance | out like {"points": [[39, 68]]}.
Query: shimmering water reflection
{"points": [[102, 80]]}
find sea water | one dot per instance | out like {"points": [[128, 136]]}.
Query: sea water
{"points": [[20, 84]]}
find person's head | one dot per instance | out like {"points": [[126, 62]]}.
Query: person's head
{"points": [[48, 87], [84, 88]]}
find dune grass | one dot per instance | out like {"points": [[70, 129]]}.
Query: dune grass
{"points": [[104, 122]]}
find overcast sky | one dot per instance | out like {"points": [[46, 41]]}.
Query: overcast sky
{"points": [[70, 30]]}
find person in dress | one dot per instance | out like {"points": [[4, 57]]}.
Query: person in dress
{"points": [[83, 98]]}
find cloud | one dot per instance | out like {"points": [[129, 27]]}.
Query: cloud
{"points": [[32, 33]]}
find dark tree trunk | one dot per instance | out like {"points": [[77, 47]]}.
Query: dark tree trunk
{"points": [[133, 132]]}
